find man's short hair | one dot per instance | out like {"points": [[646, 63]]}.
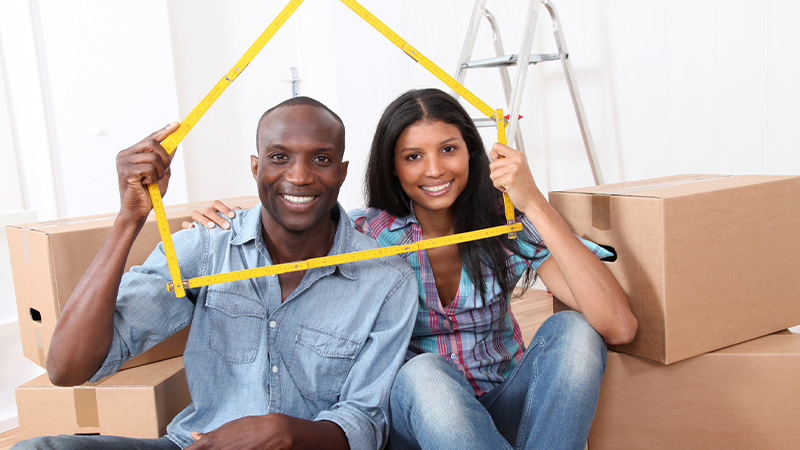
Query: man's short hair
{"points": [[301, 100]]}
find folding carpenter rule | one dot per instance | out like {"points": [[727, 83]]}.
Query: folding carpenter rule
{"points": [[171, 143]]}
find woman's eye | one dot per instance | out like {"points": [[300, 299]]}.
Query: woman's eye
{"points": [[449, 148], [413, 157]]}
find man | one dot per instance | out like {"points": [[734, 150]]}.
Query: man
{"points": [[298, 360]]}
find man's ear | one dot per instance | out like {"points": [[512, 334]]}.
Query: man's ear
{"points": [[344, 172], [254, 165]]}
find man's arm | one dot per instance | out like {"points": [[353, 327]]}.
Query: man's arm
{"points": [[84, 331]]}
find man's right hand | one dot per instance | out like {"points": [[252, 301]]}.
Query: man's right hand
{"points": [[140, 165]]}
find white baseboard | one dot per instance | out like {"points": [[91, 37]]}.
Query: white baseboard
{"points": [[9, 423]]}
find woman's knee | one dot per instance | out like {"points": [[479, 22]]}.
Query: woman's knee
{"points": [[426, 378]]}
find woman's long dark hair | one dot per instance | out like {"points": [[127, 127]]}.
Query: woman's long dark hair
{"points": [[478, 206]]}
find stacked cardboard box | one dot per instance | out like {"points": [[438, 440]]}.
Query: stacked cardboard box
{"points": [[707, 262], [47, 261], [138, 402]]}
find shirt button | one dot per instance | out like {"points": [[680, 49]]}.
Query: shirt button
{"points": [[273, 324], [274, 369], [453, 356]]}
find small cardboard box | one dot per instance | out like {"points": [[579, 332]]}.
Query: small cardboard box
{"points": [[49, 258], [707, 261], [740, 397], [138, 402]]}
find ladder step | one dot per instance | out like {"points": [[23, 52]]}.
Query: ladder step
{"points": [[510, 60], [482, 122]]}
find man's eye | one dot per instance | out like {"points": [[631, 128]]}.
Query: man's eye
{"points": [[322, 159], [278, 157]]}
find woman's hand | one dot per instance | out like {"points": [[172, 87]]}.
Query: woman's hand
{"points": [[511, 174], [209, 216]]}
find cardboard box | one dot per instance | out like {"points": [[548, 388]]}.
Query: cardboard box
{"points": [[138, 402], [49, 258], [707, 261], [741, 397]]}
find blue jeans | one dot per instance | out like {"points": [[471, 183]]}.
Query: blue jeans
{"points": [[68, 442], [547, 402]]}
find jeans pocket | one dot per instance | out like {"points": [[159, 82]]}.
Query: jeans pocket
{"points": [[321, 361], [237, 322]]}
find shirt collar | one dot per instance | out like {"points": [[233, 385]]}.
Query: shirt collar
{"points": [[402, 222], [251, 229]]}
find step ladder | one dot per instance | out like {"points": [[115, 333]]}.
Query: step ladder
{"points": [[522, 60]]}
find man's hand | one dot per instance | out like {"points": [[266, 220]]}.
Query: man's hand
{"points": [[272, 432], [144, 163]]}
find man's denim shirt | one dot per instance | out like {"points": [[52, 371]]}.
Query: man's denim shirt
{"points": [[329, 352]]}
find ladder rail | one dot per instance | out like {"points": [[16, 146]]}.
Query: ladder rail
{"points": [[577, 103], [505, 79], [522, 67], [469, 40]]}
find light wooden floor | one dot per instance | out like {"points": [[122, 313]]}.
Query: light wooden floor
{"points": [[531, 309]]}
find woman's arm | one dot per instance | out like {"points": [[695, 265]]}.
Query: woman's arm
{"points": [[209, 216], [573, 273]]}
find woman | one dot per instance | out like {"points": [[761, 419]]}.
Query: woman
{"points": [[469, 382]]}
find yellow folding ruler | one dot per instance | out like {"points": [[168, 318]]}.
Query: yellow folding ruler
{"points": [[171, 143]]}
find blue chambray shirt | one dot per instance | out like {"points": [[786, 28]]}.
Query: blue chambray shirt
{"points": [[330, 351]]}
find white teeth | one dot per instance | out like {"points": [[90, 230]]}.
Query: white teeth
{"points": [[436, 188], [295, 199]]}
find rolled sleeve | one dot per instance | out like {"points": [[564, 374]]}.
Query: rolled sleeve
{"points": [[363, 409], [146, 313], [539, 251]]}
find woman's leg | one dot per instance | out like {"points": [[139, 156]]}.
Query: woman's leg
{"points": [[549, 400], [434, 407]]}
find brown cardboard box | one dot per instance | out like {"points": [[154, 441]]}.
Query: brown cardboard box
{"points": [[138, 402], [707, 261], [48, 259], [741, 397]]}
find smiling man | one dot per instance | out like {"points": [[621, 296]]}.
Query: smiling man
{"points": [[298, 360]]}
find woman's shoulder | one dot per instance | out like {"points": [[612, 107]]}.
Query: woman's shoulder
{"points": [[375, 222]]}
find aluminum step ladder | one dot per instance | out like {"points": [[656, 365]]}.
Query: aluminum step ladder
{"points": [[522, 60]]}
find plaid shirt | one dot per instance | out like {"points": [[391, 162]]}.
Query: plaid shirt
{"points": [[481, 338]]}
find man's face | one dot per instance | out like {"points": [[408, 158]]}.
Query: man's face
{"points": [[299, 167]]}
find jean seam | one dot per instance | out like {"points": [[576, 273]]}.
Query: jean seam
{"points": [[526, 413]]}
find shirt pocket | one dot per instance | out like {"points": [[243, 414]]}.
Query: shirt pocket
{"points": [[321, 361], [237, 322]]}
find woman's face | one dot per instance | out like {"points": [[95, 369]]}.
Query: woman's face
{"points": [[431, 160]]}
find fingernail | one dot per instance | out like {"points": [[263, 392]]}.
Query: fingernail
{"points": [[210, 224], [226, 225], [231, 214]]}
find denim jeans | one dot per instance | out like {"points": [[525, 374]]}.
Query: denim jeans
{"points": [[68, 442], [547, 402]]}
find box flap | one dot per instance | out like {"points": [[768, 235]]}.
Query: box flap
{"points": [[780, 343], [677, 185]]}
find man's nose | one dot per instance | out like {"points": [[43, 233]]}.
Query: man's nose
{"points": [[299, 173]]}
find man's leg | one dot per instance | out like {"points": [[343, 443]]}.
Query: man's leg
{"points": [[68, 442], [549, 400], [434, 407]]}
